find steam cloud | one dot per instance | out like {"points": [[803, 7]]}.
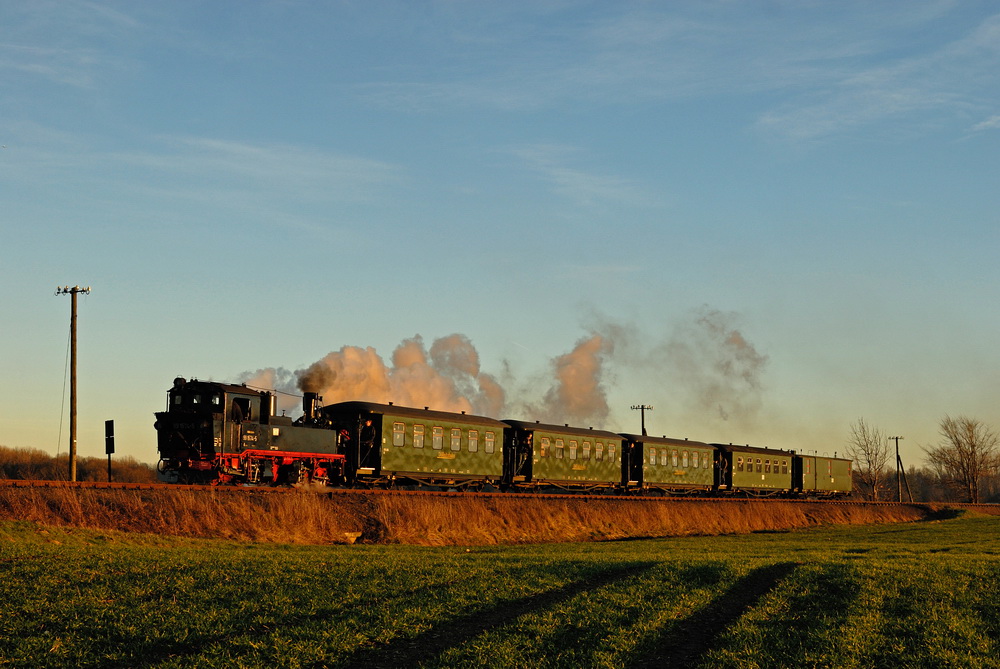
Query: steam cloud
{"points": [[705, 364], [447, 379], [577, 395], [715, 365]]}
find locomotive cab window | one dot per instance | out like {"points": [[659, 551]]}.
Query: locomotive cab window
{"points": [[241, 409]]}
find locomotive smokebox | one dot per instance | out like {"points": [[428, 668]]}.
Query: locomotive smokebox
{"points": [[309, 401]]}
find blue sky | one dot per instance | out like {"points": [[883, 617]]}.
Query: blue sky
{"points": [[765, 219]]}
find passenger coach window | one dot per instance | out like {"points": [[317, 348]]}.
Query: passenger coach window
{"points": [[437, 438], [398, 434], [758, 466], [694, 459], [572, 449], [418, 436], [599, 451], [473, 441], [544, 441], [560, 446], [611, 451], [739, 464], [684, 459], [767, 466], [652, 455], [784, 466], [673, 458], [489, 442], [663, 457], [456, 439], [586, 450]]}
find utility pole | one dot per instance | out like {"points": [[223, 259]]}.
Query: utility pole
{"points": [[899, 467], [642, 408], [72, 292]]}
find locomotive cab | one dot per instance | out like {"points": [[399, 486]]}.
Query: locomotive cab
{"points": [[188, 432]]}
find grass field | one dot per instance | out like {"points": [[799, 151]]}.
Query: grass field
{"points": [[906, 595]]}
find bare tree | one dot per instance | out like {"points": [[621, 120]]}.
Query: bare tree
{"points": [[967, 454], [869, 449]]}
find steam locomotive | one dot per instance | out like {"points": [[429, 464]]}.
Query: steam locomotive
{"points": [[230, 434]]}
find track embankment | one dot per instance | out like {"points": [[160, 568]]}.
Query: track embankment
{"points": [[433, 520]]}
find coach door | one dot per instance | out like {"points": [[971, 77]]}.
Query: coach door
{"points": [[632, 464]]}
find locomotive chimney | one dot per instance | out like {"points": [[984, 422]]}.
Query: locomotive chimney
{"points": [[309, 405]]}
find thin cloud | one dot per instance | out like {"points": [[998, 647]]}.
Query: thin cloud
{"points": [[67, 42], [992, 123], [582, 187], [820, 70]]}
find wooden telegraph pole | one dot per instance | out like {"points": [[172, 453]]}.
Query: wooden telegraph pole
{"points": [[72, 292], [899, 473]]}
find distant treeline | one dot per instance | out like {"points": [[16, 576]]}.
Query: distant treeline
{"points": [[33, 464], [924, 484]]}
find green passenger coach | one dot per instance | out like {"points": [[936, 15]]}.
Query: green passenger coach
{"points": [[564, 457], [755, 471], [400, 444], [666, 465]]}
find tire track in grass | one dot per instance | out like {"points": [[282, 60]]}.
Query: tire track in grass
{"points": [[411, 651], [685, 643]]}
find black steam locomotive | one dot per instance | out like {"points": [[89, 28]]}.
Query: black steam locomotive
{"points": [[230, 434]]}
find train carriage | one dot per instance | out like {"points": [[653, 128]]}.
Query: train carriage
{"points": [[402, 446], [670, 466], [822, 476], [754, 471], [564, 457]]}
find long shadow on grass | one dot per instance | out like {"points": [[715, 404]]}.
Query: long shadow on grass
{"points": [[683, 644], [410, 651]]}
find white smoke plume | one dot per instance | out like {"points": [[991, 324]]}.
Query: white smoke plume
{"points": [[448, 379], [704, 366], [713, 364], [578, 394]]}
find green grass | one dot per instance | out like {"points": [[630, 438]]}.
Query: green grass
{"points": [[917, 595]]}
